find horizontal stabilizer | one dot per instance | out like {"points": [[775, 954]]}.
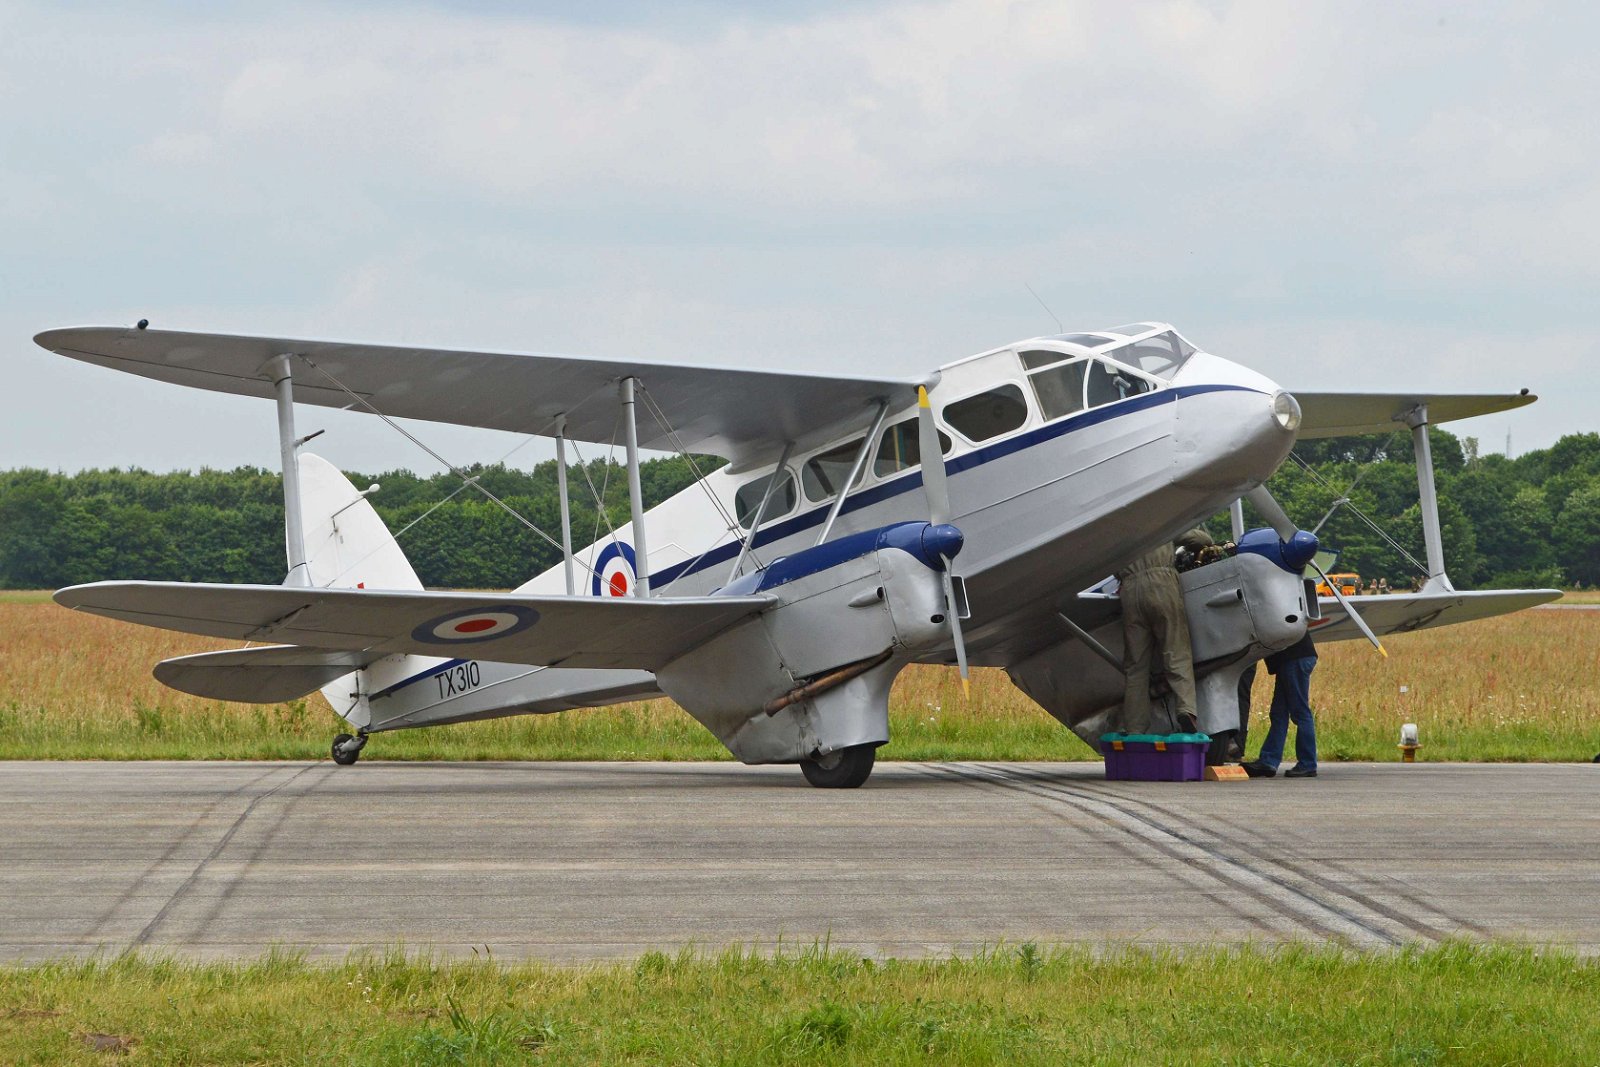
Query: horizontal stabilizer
{"points": [[1394, 613], [632, 632], [1351, 414], [259, 675]]}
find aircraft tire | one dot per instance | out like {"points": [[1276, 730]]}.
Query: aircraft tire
{"points": [[847, 768], [342, 758]]}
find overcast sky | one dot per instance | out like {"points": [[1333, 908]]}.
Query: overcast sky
{"points": [[1355, 196]]}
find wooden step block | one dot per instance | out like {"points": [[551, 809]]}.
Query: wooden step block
{"points": [[1227, 772]]}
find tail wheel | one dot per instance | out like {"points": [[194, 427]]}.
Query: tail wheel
{"points": [[848, 768], [342, 755]]}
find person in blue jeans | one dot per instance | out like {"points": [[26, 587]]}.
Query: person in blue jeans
{"points": [[1291, 702]]}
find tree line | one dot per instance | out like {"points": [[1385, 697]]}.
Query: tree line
{"points": [[1529, 521]]}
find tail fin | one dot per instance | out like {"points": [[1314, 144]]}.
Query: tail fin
{"points": [[347, 544], [349, 547]]}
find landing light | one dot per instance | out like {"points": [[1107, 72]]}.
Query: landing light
{"points": [[1286, 409]]}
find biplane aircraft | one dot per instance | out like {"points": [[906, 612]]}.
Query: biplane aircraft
{"points": [[777, 599]]}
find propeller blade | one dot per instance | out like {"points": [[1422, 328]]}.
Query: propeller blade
{"points": [[937, 492], [933, 479], [1270, 510], [1350, 609], [955, 629]]}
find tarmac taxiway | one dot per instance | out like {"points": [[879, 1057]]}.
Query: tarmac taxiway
{"points": [[576, 861]]}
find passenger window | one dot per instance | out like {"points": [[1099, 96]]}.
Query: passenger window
{"points": [[1109, 383], [901, 447], [825, 472], [1060, 388], [978, 418], [748, 499]]}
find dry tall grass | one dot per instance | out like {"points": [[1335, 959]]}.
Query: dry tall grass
{"points": [[1515, 688]]}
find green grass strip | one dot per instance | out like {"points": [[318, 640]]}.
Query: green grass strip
{"points": [[1454, 1004]]}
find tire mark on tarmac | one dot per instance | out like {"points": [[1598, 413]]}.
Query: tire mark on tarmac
{"points": [[1117, 839], [1435, 924], [1330, 918], [143, 936], [248, 865], [96, 931]]}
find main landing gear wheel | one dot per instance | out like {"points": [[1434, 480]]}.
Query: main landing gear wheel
{"points": [[347, 749], [847, 768]]}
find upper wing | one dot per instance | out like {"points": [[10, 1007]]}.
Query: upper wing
{"points": [[736, 413], [631, 632], [1347, 414], [1403, 612]]}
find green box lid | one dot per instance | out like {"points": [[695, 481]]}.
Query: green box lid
{"points": [[1150, 739]]}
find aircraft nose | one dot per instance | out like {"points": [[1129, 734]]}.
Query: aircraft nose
{"points": [[1232, 437]]}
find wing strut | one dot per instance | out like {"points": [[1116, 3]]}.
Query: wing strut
{"points": [[855, 470], [1432, 539], [761, 512], [566, 505], [641, 570], [288, 445]]}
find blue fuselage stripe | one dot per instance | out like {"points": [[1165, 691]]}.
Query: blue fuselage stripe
{"points": [[429, 673], [906, 483]]}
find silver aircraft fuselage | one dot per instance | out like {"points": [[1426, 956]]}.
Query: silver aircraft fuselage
{"points": [[1048, 508]]}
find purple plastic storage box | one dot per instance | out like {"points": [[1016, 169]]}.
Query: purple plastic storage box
{"points": [[1155, 757]]}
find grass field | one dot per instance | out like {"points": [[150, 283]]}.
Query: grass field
{"points": [[1516, 688], [1015, 1005]]}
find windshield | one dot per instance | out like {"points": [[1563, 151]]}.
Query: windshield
{"points": [[1160, 355]]}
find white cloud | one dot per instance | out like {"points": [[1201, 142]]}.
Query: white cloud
{"points": [[863, 182]]}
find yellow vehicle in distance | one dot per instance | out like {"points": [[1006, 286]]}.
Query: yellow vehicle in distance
{"points": [[1349, 584]]}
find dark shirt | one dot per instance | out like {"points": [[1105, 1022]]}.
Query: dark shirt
{"points": [[1304, 648]]}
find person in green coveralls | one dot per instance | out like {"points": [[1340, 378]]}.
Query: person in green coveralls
{"points": [[1155, 635]]}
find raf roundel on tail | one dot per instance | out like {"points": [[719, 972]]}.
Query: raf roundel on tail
{"points": [[615, 571]]}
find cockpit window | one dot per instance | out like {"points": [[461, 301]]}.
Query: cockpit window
{"points": [[825, 472], [1160, 355], [1060, 388], [1109, 383], [900, 447], [978, 418], [1135, 329], [748, 499]]}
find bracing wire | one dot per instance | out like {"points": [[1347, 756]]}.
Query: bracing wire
{"points": [[466, 478], [729, 523], [1358, 513]]}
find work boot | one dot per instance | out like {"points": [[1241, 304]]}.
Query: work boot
{"points": [[1257, 769], [1300, 770]]}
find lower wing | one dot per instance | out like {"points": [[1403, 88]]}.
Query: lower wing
{"points": [[628, 632], [1402, 612]]}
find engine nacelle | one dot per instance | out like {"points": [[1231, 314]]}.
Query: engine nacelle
{"points": [[811, 675], [1240, 609]]}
